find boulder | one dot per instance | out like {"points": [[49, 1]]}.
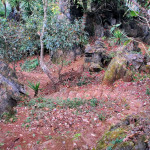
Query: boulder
{"points": [[117, 69], [10, 89], [131, 136], [135, 61], [147, 39], [99, 31], [146, 68], [95, 67], [96, 57]]}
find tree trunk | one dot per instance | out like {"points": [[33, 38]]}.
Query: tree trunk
{"points": [[4, 3], [42, 64], [5, 9]]}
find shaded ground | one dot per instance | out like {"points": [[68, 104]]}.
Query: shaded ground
{"points": [[51, 123]]}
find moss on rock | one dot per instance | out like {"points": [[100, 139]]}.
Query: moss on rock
{"points": [[125, 146], [117, 69], [111, 139], [147, 68]]}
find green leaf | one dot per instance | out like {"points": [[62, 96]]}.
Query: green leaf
{"points": [[126, 42], [134, 13]]}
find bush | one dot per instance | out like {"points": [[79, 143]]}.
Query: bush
{"points": [[30, 65], [61, 34], [20, 39], [15, 42]]}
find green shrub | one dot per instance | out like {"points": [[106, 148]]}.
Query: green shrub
{"points": [[65, 35], [82, 81], [119, 36], [102, 117], [93, 102], [34, 87], [148, 91], [30, 65]]}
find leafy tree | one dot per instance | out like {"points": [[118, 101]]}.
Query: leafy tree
{"points": [[4, 3]]}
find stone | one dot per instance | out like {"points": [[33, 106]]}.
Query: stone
{"points": [[147, 68], [88, 48], [142, 30], [95, 56], [125, 146], [147, 39], [141, 144], [10, 89], [135, 60], [107, 33], [117, 69], [99, 31], [95, 67]]}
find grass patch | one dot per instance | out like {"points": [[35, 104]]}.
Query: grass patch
{"points": [[50, 104], [147, 91], [53, 103], [9, 116], [83, 81], [29, 65]]}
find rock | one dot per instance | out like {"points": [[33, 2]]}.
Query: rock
{"points": [[106, 25], [96, 57], [10, 89], [147, 68], [6, 71], [88, 49], [123, 136], [95, 67], [117, 69], [107, 33], [141, 144], [142, 30], [135, 60], [135, 47], [99, 44], [125, 146], [113, 21], [106, 141], [131, 47], [133, 33], [99, 31], [56, 56], [147, 39], [14, 16]]}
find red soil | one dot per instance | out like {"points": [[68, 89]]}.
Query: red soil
{"points": [[67, 129]]}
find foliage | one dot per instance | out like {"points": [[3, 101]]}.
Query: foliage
{"points": [[15, 42], [61, 34], [148, 91], [114, 142], [102, 117], [83, 81], [68, 103], [34, 87], [140, 76], [1, 144], [2, 13], [9, 116], [20, 39], [30, 65], [76, 136], [111, 139], [53, 103], [118, 35], [93, 102]]}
